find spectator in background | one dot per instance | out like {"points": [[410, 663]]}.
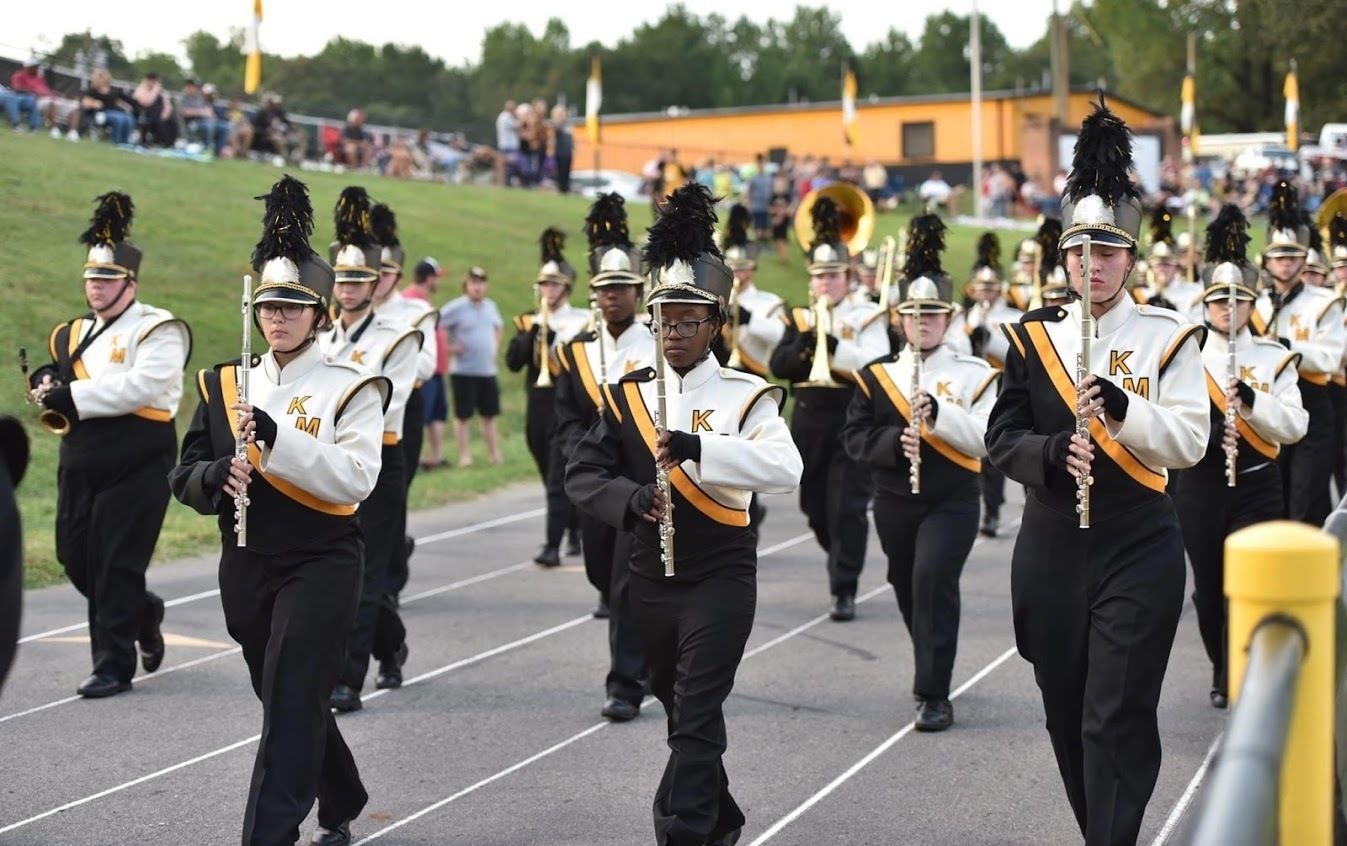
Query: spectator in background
{"points": [[103, 105], [563, 147], [474, 328], [272, 132], [158, 125], [935, 191], [401, 163], [199, 117], [782, 212], [1059, 184], [526, 128], [29, 93], [875, 180], [507, 139], [759, 198], [425, 282], [542, 139], [357, 145]]}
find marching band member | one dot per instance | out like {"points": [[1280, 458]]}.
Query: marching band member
{"points": [[1337, 244], [13, 463], [976, 331], [1096, 609], [116, 383], [1309, 321], [564, 322], [390, 348], [835, 491], [719, 437], [1161, 265], [1337, 281], [927, 533], [867, 275], [615, 346], [1028, 260], [1315, 275], [421, 316], [312, 427], [1267, 414], [757, 322], [1184, 292]]}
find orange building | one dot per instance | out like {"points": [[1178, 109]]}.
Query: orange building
{"points": [[910, 135]]}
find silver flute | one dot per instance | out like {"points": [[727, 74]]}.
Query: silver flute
{"points": [[914, 466], [1084, 481], [1231, 374], [241, 440], [666, 525]]}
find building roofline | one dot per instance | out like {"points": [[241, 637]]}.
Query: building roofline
{"points": [[679, 113]]}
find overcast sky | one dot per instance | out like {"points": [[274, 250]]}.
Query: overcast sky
{"points": [[453, 31]]}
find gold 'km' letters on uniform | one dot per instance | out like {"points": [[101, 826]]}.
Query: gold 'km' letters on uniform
{"points": [[1117, 363], [700, 420], [1141, 387]]}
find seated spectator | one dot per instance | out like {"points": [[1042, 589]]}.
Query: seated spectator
{"points": [[199, 117], [875, 180], [935, 191], [101, 105], [29, 93], [357, 145], [240, 129], [401, 164], [273, 134], [158, 124]]}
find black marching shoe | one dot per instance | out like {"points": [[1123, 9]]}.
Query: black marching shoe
{"points": [[1219, 699], [843, 608], [151, 637], [935, 715], [390, 672], [601, 611], [573, 544], [729, 838], [620, 710], [99, 686], [345, 699], [990, 523], [339, 836], [548, 557]]}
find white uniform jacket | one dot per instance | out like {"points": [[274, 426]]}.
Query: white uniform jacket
{"points": [[958, 336], [386, 347], [1277, 415], [420, 315]]}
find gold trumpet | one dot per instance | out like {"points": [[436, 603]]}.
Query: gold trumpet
{"points": [[544, 353], [52, 422], [735, 361], [820, 372]]}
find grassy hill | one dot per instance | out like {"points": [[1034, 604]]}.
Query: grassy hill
{"points": [[197, 223]]}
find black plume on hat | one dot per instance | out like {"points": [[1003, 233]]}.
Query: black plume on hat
{"points": [[1102, 158], [736, 231], [1162, 226], [384, 225], [1048, 236], [606, 223], [988, 252], [1316, 237], [686, 230], [1228, 237], [287, 222], [1283, 212], [925, 242], [111, 221], [827, 222], [352, 218], [552, 242]]}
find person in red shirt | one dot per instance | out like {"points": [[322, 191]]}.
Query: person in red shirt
{"points": [[30, 93], [425, 280]]}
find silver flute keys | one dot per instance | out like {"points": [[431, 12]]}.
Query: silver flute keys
{"points": [[1231, 374], [241, 440], [914, 466], [666, 525], [1084, 481]]}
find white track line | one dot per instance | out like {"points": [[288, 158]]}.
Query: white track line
{"points": [[435, 538], [1172, 821], [599, 726], [874, 753]]}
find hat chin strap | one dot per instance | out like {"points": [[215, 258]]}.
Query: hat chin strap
{"points": [[126, 282]]}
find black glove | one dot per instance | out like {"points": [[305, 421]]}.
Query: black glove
{"points": [[60, 400], [642, 501], [217, 473], [1285, 342], [1057, 448], [551, 334], [684, 447], [832, 345], [1115, 399], [978, 338], [744, 316], [935, 410], [264, 428], [1246, 394]]}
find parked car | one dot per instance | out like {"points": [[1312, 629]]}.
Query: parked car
{"points": [[1257, 159], [590, 183]]}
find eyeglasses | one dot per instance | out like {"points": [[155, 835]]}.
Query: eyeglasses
{"points": [[290, 311], [684, 328]]}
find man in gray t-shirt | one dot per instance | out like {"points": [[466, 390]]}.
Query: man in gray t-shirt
{"points": [[474, 326]]}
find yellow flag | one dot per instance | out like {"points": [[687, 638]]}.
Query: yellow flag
{"points": [[849, 130], [1189, 109], [1292, 93], [593, 99], [252, 74]]}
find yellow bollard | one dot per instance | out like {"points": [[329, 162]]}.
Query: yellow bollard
{"points": [[1291, 569]]}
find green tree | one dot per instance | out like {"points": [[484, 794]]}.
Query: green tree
{"points": [[941, 64], [220, 62], [885, 68], [98, 48], [170, 72]]}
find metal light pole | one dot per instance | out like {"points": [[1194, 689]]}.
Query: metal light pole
{"points": [[975, 129]]}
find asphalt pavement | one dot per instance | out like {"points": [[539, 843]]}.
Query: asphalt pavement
{"points": [[496, 738]]}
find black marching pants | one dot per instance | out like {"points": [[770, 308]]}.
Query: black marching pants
{"points": [[1095, 612], [1210, 511], [927, 544], [1307, 466], [1338, 393], [413, 434], [108, 517], [694, 635], [561, 515], [992, 484], [834, 495], [378, 629], [290, 614], [626, 670]]}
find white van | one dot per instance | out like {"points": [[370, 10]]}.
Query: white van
{"points": [[1334, 137]]}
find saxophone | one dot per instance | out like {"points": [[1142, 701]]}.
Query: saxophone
{"points": [[241, 440], [1082, 370], [666, 525]]}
